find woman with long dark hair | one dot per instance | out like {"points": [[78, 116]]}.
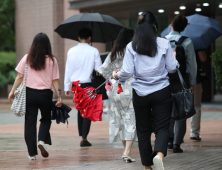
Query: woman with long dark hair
{"points": [[122, 117], [42, 73], [149, 59]]}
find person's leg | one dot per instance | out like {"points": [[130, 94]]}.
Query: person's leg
{"points": [[127, 151], [85, 128], [124, 145], [195, 120], [84, 123], [80, 123], [161, 108], [143, 127], [171, 134], [180, 126], [30, 122], [45, 108], [180, 131]]}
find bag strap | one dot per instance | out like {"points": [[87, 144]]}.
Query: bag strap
{"points": [[180, 41], [26, 70], [184, 87]]}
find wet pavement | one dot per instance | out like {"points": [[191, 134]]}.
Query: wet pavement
{"points": [[65, 152]]}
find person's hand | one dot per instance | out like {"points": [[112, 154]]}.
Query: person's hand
{"points": [[67, 93], [112, 74], [192, 87], [11, 96], [98, 74], [59, 102]]}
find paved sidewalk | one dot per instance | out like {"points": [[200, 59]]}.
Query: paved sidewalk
{"points": [[187, 161], [66, 154]]}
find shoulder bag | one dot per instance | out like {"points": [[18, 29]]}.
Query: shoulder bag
{"points": [[19, 103], [182, 102]]}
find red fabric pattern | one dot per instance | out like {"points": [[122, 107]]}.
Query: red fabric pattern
{"points": [[89, 104], [119, 90]]}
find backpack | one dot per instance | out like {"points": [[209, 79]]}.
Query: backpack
{"points": [[181, 58]]}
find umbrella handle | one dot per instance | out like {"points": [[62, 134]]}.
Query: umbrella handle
{"points": [[101, 84]]}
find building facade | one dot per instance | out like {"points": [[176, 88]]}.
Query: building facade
{"points": [[34, 16]]}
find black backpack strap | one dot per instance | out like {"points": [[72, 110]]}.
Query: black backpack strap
{"points": [[180, 41]]}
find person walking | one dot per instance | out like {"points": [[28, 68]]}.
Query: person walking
{"points": [[81, 60], [201, 76], [122, 125], [149, 59], [178, 25], [43, 72]]}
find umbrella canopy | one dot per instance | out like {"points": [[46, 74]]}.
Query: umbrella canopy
{"points": [[104, 28], [201, 30], [88, 102]]}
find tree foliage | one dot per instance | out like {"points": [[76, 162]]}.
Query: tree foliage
{"points": [[7, 68], [7, 25], [217, 64]]}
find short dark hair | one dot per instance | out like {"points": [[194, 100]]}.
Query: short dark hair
{"points": [[85, 33], [179, 23]]}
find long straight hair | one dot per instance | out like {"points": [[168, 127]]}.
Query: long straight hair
{"points": [[39, 49], [144, 40], [125, 36]]}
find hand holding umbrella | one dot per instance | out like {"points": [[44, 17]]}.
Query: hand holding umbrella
{"points": [[59, 101], [115, 77]]}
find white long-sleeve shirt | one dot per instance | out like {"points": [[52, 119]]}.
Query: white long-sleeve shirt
{"points": [[81, 60], [150, 74]]}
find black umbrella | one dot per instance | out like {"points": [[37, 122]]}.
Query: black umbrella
{"points": [[104, 28], [60, 114]]}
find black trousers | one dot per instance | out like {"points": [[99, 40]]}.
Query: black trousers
{"points": [[84, 123], [37, 99], [160, 104]]}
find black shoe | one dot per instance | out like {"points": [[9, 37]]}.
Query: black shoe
{"points": [[170, 145], [177, 149], [85, 143]]}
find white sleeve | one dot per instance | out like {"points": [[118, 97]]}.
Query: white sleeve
{"points": [[67, 74], [97, 61], [191, 63]]}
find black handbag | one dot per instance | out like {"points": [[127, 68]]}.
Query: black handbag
{"points": [[182, 102]]}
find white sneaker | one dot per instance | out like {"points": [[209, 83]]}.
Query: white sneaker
{"points": [[105, 110], [158, 163], [43, 149], [32, 158]]}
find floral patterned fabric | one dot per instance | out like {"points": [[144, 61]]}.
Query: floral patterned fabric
{"points": [[122, 125]]}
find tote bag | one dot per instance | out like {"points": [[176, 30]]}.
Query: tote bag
{"points": [[19, 103], [182, 102]]}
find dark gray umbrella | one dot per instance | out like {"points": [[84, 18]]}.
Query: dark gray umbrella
{"points": [[104, 28], [201, 30]]}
